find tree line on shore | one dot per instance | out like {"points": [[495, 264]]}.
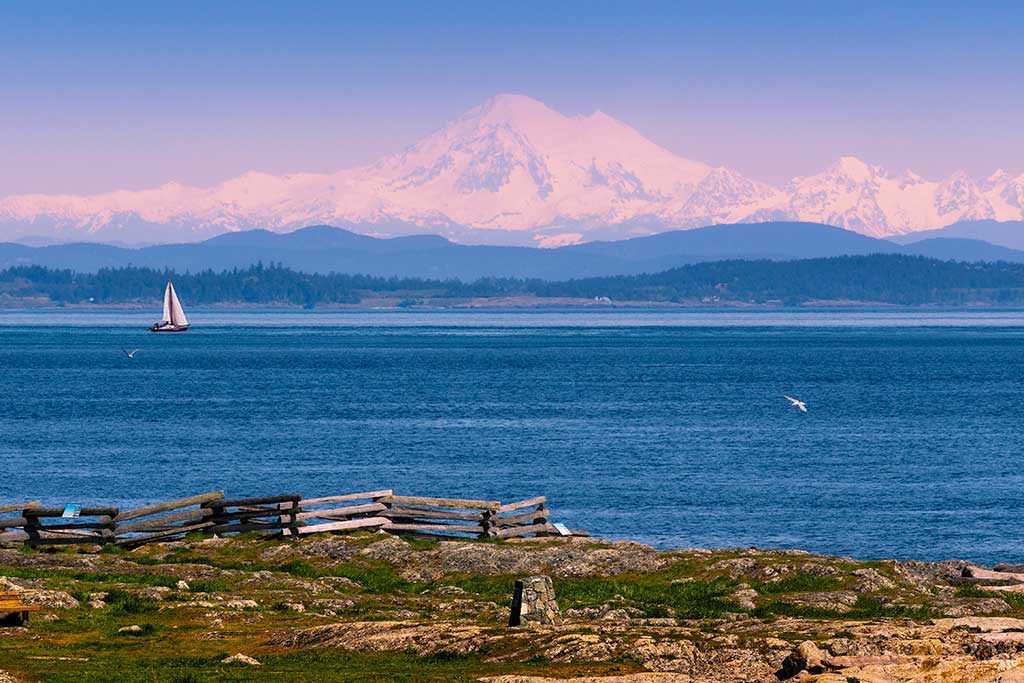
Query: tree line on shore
{"points": [[880, 278]]}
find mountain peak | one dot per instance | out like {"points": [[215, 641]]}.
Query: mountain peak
{"points": [[1000, 176], [513, 109], [513, 170], [855, 168]]}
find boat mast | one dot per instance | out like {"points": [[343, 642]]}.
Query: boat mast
{"points": [[167, 303]]}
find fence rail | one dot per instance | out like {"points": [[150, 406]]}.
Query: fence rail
{"points": [[289, 515]]}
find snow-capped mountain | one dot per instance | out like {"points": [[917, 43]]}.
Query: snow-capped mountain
{"points": [[514, 171], [865, 198]]}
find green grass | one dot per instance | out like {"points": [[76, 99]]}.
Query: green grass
{"points": [[210, 585], [492, 587], [865, 609], [147, 630], [169, 649], [120, 602], [799, 583], [970, 590], [143, 579], [686, 600], [125, 663]]}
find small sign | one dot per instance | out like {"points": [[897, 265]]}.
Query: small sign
{"points": [[72, 510], [562, 529]]}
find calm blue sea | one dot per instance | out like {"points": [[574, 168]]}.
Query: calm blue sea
{"points": [[666, 427]]}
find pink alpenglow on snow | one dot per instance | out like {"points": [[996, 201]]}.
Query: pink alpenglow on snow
{"points": [[513, 169]]}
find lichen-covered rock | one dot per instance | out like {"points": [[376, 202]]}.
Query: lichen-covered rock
{"points": [[50, 599], [870, 580], [833, 601], [745, 597], [617, 615], [807, 656], [646, 677], [927, 574], [240, 659], [737, 567], [8, 586], [970, 608], [241, 604], [154, 592]]}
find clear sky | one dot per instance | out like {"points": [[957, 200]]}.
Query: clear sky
{"points": [[103, 95]]}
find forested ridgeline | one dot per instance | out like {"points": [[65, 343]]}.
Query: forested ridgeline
{"points": [[895, 279]]}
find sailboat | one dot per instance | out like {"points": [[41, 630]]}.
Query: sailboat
{"points": [[174, 319]]}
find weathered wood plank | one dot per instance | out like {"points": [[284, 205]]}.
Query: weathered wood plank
{"points": [[266, 500], [149, 538], [246, 515], [155, 508], [250, 526], [429, 513], [18, 507], [14, 522], [512, 531], [445, 502], [8, 607], [529, 515], [341, 526], [13, 536], [162, 521], [59, 512], [344, 511], [519, 505], [462, 528], [309, 502], [61, 526]]}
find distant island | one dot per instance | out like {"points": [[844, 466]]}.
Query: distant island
{"points": [[889, 279]]}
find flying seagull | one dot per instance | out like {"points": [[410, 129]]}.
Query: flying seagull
{"points": [[799, 404], [131, 354]]}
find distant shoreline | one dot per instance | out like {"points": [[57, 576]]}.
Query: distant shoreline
{"points": [[505, 303]]}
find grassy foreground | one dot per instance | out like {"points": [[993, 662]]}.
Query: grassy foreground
{"points": [[371, 607]]}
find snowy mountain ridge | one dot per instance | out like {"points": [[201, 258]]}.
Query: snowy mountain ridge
{"points": [[514, 171]]}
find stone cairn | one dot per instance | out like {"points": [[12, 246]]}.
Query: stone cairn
{"points": [[534, 602]]}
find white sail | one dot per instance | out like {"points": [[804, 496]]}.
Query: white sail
{"points": [[167, 304], [177, 314]]}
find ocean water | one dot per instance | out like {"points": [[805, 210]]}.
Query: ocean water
{"points": [[667, 427]]}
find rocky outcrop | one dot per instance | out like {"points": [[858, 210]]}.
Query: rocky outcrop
{"points": [[49, 599], [566, 558], [731, 616], [239, 658], [806, 657], [840, 602], [628, 678]]}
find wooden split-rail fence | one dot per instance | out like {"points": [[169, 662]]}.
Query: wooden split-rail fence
{"points": [[289, 516]]}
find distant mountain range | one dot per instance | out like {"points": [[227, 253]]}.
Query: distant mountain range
{"points": [[324, 249], [1008, 234], [512, 171]]}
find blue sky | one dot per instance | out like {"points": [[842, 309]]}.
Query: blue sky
{"points": [[96, 96]]}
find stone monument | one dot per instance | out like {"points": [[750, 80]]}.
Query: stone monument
{"points": [[534, 602]]}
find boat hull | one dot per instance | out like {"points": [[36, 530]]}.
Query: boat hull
{"points": [[169, 328]]}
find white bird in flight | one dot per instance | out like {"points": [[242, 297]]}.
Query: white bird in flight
{"points": [[799, 404], [130, 354]]}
